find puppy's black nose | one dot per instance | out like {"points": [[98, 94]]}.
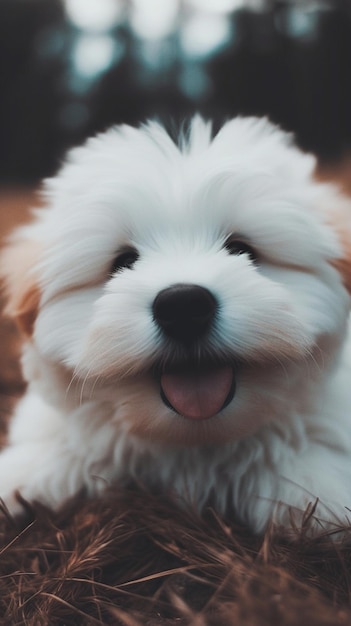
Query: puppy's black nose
{"points": [[184, 312]]}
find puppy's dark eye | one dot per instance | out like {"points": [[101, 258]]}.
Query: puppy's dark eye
{"points": [[235, 246], [125, 260]]}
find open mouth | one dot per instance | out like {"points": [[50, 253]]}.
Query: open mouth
{"points": [[198, 394]]}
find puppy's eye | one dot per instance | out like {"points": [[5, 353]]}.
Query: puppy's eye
{"points": [[125, 260], [235, 246]]}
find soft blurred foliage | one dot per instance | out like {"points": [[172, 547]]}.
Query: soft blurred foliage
{"points": [[70, 68]]}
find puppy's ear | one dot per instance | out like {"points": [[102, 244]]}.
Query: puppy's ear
{"points": [[340, 221], [343, 265], [21, 288]]}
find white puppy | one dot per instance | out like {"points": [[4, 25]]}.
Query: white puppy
{"points": [[185, 310]]}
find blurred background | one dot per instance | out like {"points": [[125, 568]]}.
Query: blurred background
{"points": [[69, 68]]}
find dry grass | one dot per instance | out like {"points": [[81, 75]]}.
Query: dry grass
{"points": [[136, 559]]}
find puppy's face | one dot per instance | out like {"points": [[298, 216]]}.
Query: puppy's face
{"points": [[192, 287]]}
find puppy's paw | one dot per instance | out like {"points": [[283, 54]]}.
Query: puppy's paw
{"points": [[316, 506], [16, 466], [34, 472]]}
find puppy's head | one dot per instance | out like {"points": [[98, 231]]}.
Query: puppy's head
{"points": [[198, 288]]}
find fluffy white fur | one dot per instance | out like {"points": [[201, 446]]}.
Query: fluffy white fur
{"points": [[93, 414]]}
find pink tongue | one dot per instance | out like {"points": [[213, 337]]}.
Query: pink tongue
{"points": [[198, 396]]}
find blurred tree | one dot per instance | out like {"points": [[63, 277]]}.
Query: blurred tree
{"points": [[63, 77]]}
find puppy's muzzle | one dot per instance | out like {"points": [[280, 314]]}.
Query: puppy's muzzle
{"points": [[184, 312]]}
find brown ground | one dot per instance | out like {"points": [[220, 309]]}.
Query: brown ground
{"points": [[135, 559]]}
